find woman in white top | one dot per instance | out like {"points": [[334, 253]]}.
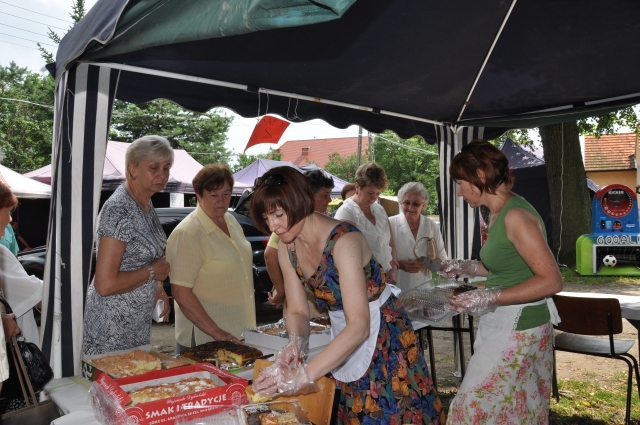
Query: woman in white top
{"points": [[370, 218], [411, 227]]}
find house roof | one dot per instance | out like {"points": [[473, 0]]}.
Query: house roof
{"points": [[318, 150], [610, 152]]}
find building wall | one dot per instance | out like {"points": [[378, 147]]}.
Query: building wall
{"points": [[603, 178]]}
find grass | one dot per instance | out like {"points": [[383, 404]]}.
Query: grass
{"points": [[586, 402], [594, 402], [569, 275]]}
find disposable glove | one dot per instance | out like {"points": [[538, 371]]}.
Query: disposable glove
{"points": [[279, 379], [459, 268], [294, 352], [431, 264], [477, 302]]}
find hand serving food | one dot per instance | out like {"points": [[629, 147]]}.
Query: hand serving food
{"points": [[279, 379], [476, 302]]}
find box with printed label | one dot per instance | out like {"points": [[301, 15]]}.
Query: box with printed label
{"points": [[112, 398]]}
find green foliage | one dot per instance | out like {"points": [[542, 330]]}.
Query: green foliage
{"points": [[343, 167], [244, 159], [520, 136], [77, 12], [202, 135], [610, 123], [409, 160], [25, 128]]}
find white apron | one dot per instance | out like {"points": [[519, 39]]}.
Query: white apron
{"points": [[358, 362], [494, 366]]}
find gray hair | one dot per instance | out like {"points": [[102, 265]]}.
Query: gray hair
{"points": [[413, 187], [148, 148]]}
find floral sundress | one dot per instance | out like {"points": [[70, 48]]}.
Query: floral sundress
{"points": [[396, 389]]}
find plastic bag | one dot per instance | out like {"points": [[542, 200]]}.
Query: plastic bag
{"points": [[38, 369]]}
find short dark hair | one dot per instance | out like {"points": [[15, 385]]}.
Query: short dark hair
{"points": [[7, 198], [346, 189], [212, 177], [482, 155], [281, 187], [319, 180]]}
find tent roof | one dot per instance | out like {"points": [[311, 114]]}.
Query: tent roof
{"points": [[519, 157], [183, 171], [24, 187], [245, 178], [485, 63]]}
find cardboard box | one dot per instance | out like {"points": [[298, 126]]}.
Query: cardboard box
{"points": [[271, 344], [231, 391], [90, 372]]}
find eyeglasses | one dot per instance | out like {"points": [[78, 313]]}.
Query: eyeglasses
{"points": [[271, 180], [408, 204]]}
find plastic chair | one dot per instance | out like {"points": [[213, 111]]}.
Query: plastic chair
{"points": [[582, 319]]}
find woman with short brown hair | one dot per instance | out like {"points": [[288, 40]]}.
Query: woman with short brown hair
{"points": [[211, 266], [513, 351]]}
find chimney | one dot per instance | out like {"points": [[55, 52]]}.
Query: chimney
{"points": [[305, 151]]}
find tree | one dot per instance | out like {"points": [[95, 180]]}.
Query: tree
{"points": [[343, 167], [25, 124], [77, 12], [568, 193], [245, 160], [202, 135], [409, 160]]}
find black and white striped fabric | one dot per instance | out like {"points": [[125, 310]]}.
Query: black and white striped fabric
{"points": [[84, 100], [457, 218]]}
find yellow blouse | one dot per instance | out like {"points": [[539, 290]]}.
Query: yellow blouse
{"points": [[218, 268]]}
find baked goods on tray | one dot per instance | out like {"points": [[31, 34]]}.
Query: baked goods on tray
{"points": [[223, 352], [262, 414], [255, 398], [128, 364], [322, 321], [173, 389]]}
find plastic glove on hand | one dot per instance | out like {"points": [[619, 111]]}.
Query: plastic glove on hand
{"points": [[453, 269], [431, 264], [279, 379], [294, 352], [476, 303]]}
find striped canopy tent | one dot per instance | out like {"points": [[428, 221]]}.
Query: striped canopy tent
{"points": [[448, 70]]}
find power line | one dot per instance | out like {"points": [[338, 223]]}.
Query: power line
{"points": [[402, 145], [33, 11], [22, 38], [36, 33], [31, 20], [26, 101], [16, 44]]}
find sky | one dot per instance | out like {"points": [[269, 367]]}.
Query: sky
{"points": [[23, 23]]}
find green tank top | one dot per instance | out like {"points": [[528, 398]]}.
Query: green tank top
{"points": [[506, 267]]}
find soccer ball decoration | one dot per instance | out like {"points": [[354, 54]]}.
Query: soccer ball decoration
{"points": [[609, 261]]}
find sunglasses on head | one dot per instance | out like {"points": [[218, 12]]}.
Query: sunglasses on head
{"points": [[271, 180]]}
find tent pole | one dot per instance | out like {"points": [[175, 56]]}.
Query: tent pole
{"points": [[486, 59], [245, 87]]}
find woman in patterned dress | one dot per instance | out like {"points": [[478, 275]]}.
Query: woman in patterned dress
{"points": [[509, 376], [130, 261], [373, 355]]}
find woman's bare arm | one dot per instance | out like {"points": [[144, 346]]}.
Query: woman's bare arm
{"points": [[109, 280]]}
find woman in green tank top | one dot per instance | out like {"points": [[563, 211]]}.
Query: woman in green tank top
{"points": [[509, 376]]}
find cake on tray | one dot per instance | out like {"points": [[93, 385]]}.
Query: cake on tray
{"points": [[223, 352], [128, 364], [173, 389]]}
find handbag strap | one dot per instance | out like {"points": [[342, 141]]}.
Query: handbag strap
{"points": [[7, 307], [22, 373]]}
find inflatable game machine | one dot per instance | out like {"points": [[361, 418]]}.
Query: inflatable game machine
{"points": [[613, 247]]}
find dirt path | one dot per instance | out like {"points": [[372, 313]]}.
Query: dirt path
{"points": [[570, 366]]}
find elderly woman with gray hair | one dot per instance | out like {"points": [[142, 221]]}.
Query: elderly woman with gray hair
{"points": [[130, 264], [413, 233]]}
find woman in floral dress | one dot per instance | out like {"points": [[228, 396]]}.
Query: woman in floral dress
{"points": [[373, 356]]}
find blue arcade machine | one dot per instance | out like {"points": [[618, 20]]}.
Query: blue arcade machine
{"points": [[613, 247]]}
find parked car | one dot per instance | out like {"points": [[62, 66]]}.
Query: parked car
{"points": [[34, 259]]}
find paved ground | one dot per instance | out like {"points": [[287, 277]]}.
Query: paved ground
{"points": [[569, 365]]}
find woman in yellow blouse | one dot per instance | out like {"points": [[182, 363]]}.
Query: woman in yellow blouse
{"points": [[211, 275]]}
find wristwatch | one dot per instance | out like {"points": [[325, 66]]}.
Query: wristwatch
{"points": [[152, 274]]}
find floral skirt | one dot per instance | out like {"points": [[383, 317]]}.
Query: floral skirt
{"points": [[397, 388], [508, 379]]}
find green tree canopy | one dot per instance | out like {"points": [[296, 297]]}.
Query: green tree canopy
{"points": [[343, 167], [25, 125], [245, 160], [202, 135]]}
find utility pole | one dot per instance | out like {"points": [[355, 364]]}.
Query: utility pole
{"points": [[359, 146]]}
